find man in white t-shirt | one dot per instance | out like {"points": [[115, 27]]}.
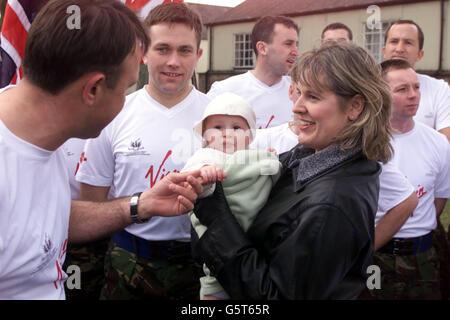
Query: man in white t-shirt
{"points": [[89, 257], [151, 137], [69, 90], [409, 263], [337, 32], [404, 40], [275, 43]]}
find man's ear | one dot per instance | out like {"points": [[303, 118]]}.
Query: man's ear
{"points": [[420, 56], [144, 59], [356, 107], [261, 47], [291, 92], [199, 53], [92, 88]]}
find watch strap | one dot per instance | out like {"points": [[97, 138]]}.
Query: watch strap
{"points": [[134, 208]]}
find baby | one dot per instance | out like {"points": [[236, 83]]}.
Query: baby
{"points": [[247, 176]]}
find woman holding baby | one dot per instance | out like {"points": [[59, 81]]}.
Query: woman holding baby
{"points": [[314, 237]]}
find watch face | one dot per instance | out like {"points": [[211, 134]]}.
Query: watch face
{"points": [[134, 200], [134, 210]]}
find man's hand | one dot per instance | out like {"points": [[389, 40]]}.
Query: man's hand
{"points": [[174, 195]]}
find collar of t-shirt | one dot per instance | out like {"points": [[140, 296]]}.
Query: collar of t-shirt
{"points": [[21, 146], [261, 84], [172, 111]]}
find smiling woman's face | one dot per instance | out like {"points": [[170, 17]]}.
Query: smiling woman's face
{"points": [[319, 116]]}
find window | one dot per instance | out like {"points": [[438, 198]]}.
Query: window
{"points": [[243, 52], [374, 39]]}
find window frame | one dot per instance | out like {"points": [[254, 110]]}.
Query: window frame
{"points": [[375, 48], [243, 55]]}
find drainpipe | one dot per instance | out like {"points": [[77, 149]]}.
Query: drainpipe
{"points": [[441, 42], [210, 44]]}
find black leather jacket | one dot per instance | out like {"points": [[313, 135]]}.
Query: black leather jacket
{"points": [[312, 240]]}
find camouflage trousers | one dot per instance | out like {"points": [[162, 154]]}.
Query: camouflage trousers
{"points": [[405, 277], [131, 277], [90, 259], [442, 246]]}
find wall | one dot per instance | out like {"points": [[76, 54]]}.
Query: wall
{"points": [[427, 15]]}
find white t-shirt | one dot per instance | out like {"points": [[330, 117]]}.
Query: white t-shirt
{"points": [[34, 219], [394, 187], [272, 105], [434, 106], [423, 156], [139, 147], [74, 155], [281, 138]]}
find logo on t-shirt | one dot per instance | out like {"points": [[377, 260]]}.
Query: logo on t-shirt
{"points": [[420, 192], [161, 173], [82, 159], [67, 151], [268, 123], [48, 253], [136, 148]]}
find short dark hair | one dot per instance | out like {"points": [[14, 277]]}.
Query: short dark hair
{"points": [[176, 12], [394, 64], [56, 55], [335, 26], [264, 28], [420, 35]]}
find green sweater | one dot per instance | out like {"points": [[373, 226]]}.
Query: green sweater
{"points": [[251, 175]]}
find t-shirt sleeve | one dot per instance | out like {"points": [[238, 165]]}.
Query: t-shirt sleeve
{"points": [[442, 187], [442, 100], [215, 90], [394, 187], [98, 167]]}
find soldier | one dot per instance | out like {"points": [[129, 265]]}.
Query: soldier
{"points": [[275, 43], [336, 31], [69, 90], [151, 259], [409, 263]]}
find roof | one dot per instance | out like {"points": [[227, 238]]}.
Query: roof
{"points": [[251, 10], [208, 12]]}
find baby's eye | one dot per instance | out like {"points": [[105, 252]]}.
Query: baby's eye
{"points": [[218, 127], [237, 128]]}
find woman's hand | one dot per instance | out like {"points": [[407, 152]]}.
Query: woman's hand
{"points": [[210, 208]]}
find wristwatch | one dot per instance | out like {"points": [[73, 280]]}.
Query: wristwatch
{"points": [[134, 208]]}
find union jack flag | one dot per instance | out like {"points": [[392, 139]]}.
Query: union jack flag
{"points": [[19, 14]]}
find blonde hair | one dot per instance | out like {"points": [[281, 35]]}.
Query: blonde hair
{"points": [[348, 70]]}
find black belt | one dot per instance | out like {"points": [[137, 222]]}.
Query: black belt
{"points": [[155, 250], [408, 246]]}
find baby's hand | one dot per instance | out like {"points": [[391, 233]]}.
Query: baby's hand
{"points": [[273, 150], [211, 174]]}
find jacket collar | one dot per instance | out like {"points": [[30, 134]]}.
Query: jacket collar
{"points": [[307, 164]]}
